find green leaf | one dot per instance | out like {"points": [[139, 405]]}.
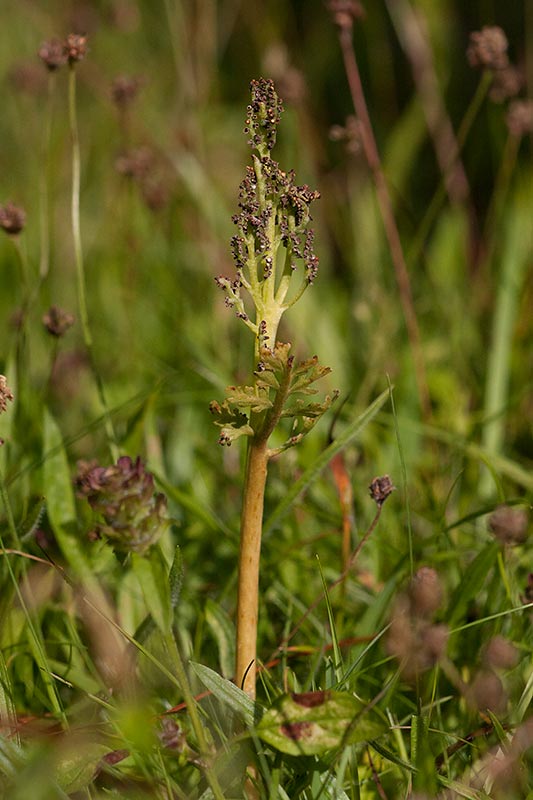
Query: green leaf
{"points": [[60, 505], [315, 722], [175, 577], [472, 582], [227, 693], [312, 472], [78, 769], [224, 632], [151, 572]]}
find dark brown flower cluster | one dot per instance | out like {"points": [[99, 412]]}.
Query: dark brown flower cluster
{"points": [[488, 50], [133, 516], [55, 52], [12, 218], [509, 525], [264, 114], [380, 489], [124, 90], [278, 195], [57, 321]]}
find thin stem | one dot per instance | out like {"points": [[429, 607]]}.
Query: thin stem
{"points": [[78, 253], [44, 182], [248, 582], [194, 717], [440, 195], [387, 215]]}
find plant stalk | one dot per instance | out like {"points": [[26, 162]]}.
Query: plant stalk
{"points": [[78, 254], [250, 548]]}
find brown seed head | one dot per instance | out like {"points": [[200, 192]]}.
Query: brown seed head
{"points": [[57, 321], [488, 48], [520, 118], [508, 524], [124, 90], [344, 12], [12, 218], [52, 54], [500, 653], [425, 592], [487, 692], [506, 83], [380, 489], [75, 47], [5, 394]]}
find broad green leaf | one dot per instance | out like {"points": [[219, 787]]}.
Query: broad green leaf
{"points": [[227, 693], [224, 632], [152, 574], [77, 770], [472, 582], [57, 479], [315, 722], [59, 496]]}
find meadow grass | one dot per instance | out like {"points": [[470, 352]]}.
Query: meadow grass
{"points": [[394, 645]]}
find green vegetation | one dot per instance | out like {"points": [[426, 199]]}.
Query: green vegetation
{"points": [[386, 648]]}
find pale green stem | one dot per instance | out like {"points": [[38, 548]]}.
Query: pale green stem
{"points": [[44, 182], [78, 253]]}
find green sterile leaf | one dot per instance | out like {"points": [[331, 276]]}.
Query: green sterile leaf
{"points": [[224, 632], [227, 693], [151, 572], [314, 722], [312, 472], [253, 397], [59, 493], [472, 582], [175, 577], [76, 770], [233, 423]]}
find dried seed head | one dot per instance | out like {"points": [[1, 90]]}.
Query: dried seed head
{"points": [[425, 592], [57, 321], [134, 517], [509, 525], [380, 489], [5, 394], [52, 54], [500, 653], [520, 118], [488, 48], [506, 83], [344, 12], [350, 134], [416, 643], [487, 692], [12, 218], [75, 47], [124, 90]]}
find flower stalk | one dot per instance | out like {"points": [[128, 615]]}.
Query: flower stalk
{"points": [[275, 263]]}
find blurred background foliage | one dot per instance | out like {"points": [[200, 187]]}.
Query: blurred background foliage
{"points": [[154, 239]]}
